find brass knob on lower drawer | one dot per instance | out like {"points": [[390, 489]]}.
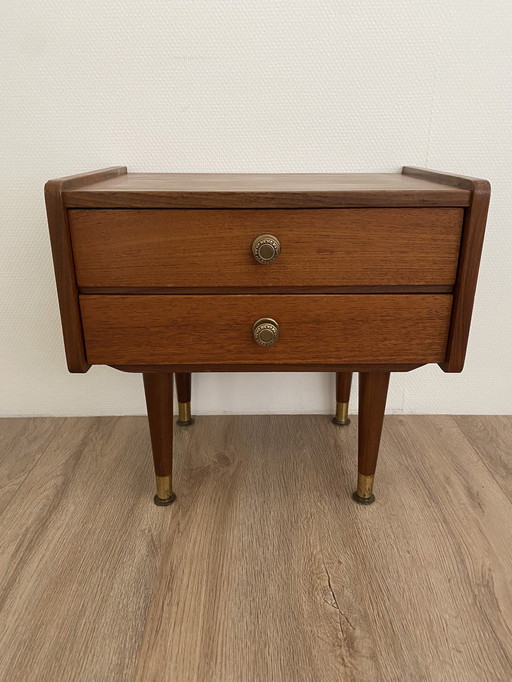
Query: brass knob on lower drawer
{"points": [[266, 248], [265, 331]]}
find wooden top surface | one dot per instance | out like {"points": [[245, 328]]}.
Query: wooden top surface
{"points": [[262, 190]]}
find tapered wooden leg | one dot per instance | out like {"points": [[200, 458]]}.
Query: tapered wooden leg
{"points": [[373, 390], [159, 396], [343, 384], [184, 389]]}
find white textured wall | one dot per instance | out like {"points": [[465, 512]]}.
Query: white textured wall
{"points": [[247, 85]]}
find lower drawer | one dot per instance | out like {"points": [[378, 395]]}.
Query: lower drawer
{"points": [[313, 329]]}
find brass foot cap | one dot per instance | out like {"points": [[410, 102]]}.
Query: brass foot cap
{"points": [[363, 500], [345, 422], [164, 502], [189, 422]]}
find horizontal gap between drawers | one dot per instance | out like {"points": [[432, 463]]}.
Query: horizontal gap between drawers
{"points": [[399, 289], [156, 202]]}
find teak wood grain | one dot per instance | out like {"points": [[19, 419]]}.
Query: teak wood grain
{"points": [[265, 190], [373, 391], [183, 386], [63, 261], [343, 386], [137, 330], [264, 367], [159, 391], [212, 248], [469, 259]]}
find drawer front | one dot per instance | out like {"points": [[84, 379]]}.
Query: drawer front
{"points": [[213, 248], [218, 329]]}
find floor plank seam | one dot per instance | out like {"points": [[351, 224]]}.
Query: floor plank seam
{"points": [[481, 459], [31, 469]]}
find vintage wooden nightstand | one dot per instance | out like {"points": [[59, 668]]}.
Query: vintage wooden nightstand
{"points": [[170, 273]]}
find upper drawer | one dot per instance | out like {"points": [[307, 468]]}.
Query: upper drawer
{"points": [[212, 247]]}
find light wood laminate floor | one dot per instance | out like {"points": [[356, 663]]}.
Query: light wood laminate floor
{"points": [[265, 569]]}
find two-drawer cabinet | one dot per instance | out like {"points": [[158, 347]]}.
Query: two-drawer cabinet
{"points": [[163, 274]]}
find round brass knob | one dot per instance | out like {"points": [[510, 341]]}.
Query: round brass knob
{"points": [[266, 248], [265, 331]]}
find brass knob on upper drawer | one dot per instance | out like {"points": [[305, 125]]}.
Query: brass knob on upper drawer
{"points": [[266, 248], [265, 331]]}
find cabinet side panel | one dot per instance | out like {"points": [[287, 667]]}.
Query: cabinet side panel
{"points": [[64, 266], [467, 276], [65, 280], [469, 260]]}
